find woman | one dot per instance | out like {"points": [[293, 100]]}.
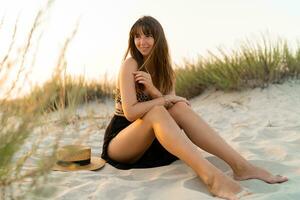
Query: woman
{"points": [[146, 129]]}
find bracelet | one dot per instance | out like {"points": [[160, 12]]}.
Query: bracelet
{"points": [[167, 104]]}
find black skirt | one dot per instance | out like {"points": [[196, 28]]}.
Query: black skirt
{"points": [[156, 155]]}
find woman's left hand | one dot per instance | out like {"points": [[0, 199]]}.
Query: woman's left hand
{"points": [[145, 79]]}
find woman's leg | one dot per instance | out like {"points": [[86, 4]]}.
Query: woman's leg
{"points": [[137, 137], [206, 138]]}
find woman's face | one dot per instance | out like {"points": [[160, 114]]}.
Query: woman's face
{"points": [[144, 43]]}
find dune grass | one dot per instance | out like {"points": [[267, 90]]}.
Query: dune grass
{"points": [[22, 121], [252, 64], [68, 91], [29, 135]]}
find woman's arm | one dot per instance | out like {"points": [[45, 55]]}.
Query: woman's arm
{"points": [[131, 107]]}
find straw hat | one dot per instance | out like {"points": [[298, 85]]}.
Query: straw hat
{"points": [[76, 157]]}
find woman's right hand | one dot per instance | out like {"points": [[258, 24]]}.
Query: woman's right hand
{"points": [[171, 99]]}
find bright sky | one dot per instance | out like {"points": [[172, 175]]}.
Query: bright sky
{"points": [[192, 27]]}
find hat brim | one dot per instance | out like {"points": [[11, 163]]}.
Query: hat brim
{"points": [[96, 163]]}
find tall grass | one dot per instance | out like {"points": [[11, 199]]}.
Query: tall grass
{"points": [[67, 91], [252, 64], [23, 128], [25, 121]]}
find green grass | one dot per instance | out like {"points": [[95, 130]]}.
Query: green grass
{"points": [[253, 64], [69, 91], [24, 120]]}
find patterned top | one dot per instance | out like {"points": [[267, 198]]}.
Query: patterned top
{"points": [[140, 95]]}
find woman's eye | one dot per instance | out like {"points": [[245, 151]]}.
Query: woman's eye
{"points": [[149, 35]]}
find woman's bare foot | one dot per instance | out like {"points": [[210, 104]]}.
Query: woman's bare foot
{"points": [[254, 172], [224, 187]]}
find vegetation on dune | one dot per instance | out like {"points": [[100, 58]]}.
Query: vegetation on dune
{"points": [[22, 133], [253, 64]]}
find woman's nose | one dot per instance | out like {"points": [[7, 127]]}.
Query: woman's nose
{"points": [[143, 40]]}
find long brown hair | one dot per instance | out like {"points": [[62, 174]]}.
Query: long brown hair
{"points": [[158, 63]]}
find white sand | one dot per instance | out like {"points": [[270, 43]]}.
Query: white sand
{"points": [[262, 124]]}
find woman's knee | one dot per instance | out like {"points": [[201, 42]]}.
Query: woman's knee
{"points": [[155, 112], [177, 112], [180, 104], [178, 108]]}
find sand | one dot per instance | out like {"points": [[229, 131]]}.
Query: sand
{"points": [[262, 124]]}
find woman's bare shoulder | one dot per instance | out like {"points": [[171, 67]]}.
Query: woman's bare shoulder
{"points": [[130, 64]]}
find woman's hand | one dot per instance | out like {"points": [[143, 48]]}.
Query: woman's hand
{"points": [[171, 99], [145, 79]]}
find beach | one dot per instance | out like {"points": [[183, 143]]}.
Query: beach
{"points": [[263, 125]]}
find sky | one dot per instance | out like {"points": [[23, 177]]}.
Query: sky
{"points": [[192, 27]]}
